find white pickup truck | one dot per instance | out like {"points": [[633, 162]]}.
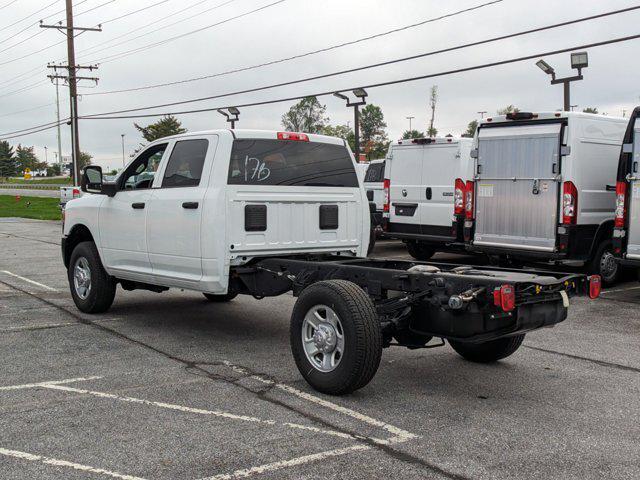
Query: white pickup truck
{"points": [[263, 213]]}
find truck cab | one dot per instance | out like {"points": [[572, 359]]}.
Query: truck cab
{"points": [[190, 206]]}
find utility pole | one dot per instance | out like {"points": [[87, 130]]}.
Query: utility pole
{"points": [[58, 128], [433, 99], [72, 80]]}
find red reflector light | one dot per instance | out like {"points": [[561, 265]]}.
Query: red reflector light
{"points": [[621, 204], [569, 203], [505, 298], [386, 185], [294, 136], [469, 200], [458, 197], [76, 193], [595, 286]]}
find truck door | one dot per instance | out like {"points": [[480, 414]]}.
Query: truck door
{"points": [[439, 170], [406, 192], [633, 245], [174, 215], [517, 186]]}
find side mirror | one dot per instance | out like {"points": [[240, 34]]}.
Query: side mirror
{"points": [[91, 179]]}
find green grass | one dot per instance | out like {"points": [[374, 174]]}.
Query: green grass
{"points": [[39, 208], [56, 181]]}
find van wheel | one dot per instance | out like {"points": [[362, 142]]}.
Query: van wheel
{"points": [[92, 288], [604, 264], [488, 352], [372, 241], [227, 297], [420, 251], [335, 337]]}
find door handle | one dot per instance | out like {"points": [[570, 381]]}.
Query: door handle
{"points": [[428, 193], [610, 188], [137, 205], [190, 205]]}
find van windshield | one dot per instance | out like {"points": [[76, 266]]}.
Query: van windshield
{"points": [[278, 162]]}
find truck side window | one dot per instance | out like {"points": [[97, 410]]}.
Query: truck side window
{"points": [[141, 172], [185, 164]]}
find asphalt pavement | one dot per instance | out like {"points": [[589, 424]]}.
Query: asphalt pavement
{"points": [[169, 386]]}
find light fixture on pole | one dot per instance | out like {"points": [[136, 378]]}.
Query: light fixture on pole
{"points": [[361, 94], [410, 118], [232, 115], [482, 112], [579, 60]]}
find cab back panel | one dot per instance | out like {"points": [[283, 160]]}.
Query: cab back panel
{"points": [[516, 188]]}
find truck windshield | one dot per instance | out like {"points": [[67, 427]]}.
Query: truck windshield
{"points": [[278, 162]]}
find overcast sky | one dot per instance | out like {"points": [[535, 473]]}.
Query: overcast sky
{"points": [[298, 26]]}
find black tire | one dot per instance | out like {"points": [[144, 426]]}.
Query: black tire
{"points": [[603, 263], [420, 251], [372, 241], [488, 352], [102, 288], [360, 329], [227, 297]]}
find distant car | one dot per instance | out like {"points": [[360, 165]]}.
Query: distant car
{"points": [[69, 193]]}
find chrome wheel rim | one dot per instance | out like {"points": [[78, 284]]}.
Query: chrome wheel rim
{"points": [[323, 338], [608, 266], [82, 278]]}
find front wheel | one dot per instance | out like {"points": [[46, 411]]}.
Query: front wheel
{"points": [[488, 352], [92, 289], [335, 337], [604, 264]]}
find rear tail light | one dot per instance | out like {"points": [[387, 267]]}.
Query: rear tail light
{"points": [[505, 298], [569, 203], [294, 136], [621, 207], [387, 194], [458, 197], [469, 200], [75, 193], [595, 286]]}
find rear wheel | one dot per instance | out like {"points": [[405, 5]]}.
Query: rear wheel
{"points": [[227, 297], [487, 352], [335, 337], [92, 288], [420, 251], [604, 264]]}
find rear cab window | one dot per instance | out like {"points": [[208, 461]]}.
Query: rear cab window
{"points": [[290, 163], [375, 173], [184, 167]]}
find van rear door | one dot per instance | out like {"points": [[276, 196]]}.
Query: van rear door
{"points": [[517, 186], [440, 167], [633, 242], [292, 194], [406, 192]]}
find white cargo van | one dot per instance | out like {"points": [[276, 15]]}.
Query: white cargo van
{"points": [[425, 180], [374, 183], [544, 188], [626, 235]]}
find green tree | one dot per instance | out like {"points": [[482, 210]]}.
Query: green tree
{"points": [[508, 109], [412, 134], [26, 158], [165, 127], [432, 132], [471, 129], [590, 110], [372, 132], [341, 131], [84, 160], [308, 115], [8, 166]]}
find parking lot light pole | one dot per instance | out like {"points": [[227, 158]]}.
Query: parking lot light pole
{"points": [[579, 60], [123, 162], [410, 118], [232, 115], [361, 94]]}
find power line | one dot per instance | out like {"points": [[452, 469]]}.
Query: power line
{"points": [[28, 16], [31, 133], [8, 4], [182, 35], [94, 8], [135, 11], [375, 65], [24, 89], [294, 57], [48, 124], [26, 110], [107, 115]]}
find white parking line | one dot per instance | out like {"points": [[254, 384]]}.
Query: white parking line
{"points": [[37, 326], [619, 290], [271, 467], [48, 383], [33, 282], [63, 463]]}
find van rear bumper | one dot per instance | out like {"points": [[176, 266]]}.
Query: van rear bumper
{"points": [[517, 252], [434, 234]]}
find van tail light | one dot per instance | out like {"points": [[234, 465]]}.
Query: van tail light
{"points": [[595, 286], [75, 193], [621, 206], [569, 203], [387, 195], [458, 197], [469, 200], [505, 298], [294, 136]]}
